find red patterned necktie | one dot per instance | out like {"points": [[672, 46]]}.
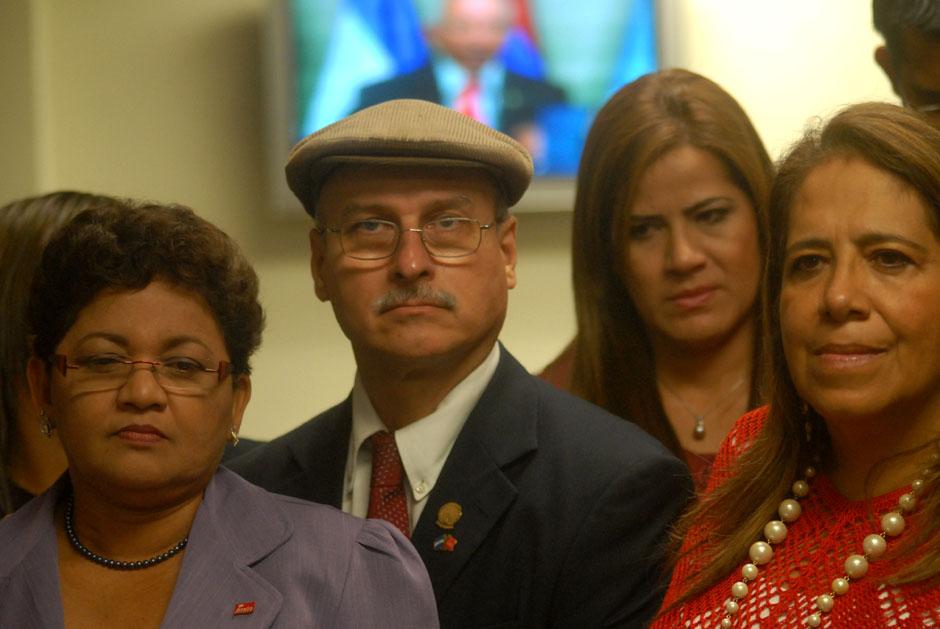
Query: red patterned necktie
{"points": [[387, 492], [468, 101]]}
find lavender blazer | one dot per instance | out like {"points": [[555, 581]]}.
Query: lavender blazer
{"points": [[301, 564]]}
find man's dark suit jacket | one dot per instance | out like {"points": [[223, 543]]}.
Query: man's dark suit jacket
{"points": [[565, 507], [522, 97]]}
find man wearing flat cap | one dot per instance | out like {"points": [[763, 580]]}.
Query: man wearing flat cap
{"points": [[530, 508]]}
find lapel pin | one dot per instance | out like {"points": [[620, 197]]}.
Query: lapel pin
{"points": [[448, 515], [445, 543], [244, 609]]}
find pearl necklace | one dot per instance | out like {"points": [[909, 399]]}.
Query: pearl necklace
{"points": [[114, 564], [775, 531]]}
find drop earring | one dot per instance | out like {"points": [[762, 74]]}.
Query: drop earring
{"points": [[46, 427], [234, 434]]}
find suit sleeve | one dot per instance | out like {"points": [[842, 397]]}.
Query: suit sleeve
{"points": [[388, 584], [613, 575]]}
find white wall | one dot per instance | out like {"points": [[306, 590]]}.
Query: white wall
{"points": [[162, 100]]}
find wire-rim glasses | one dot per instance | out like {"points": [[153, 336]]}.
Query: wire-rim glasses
{"points": [[377, 239], [104, 372]]}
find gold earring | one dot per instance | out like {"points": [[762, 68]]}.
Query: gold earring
{"points": [[234, 434], [46, 427]]}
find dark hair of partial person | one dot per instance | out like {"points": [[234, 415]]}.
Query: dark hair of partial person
{"points": [[25, 227], [892, 17], [125, 246], [897, 142], [659, 112]]}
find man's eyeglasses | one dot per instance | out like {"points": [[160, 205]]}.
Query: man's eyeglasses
{"points": [[376, 239], [104, 372]]}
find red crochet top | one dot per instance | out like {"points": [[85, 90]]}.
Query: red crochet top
{"points": [[803, 566]]}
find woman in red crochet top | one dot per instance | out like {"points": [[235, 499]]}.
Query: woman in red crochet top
{"points": [[822, 510]]}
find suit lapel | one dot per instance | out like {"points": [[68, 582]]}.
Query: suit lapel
{"points": [[234, 529], [38, 600], [500, 429], [29, 566], [41, 608], [483, 493], [321, 455]]}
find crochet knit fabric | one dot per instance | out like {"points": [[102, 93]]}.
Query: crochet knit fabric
{"points": [[803, 566]]}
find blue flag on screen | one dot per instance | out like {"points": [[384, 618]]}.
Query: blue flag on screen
{"points": [[371, 40], [396, 25], [521, 55], [638, 54]]}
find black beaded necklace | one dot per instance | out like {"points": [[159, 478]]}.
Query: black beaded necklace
{"points": [[114, 564]]}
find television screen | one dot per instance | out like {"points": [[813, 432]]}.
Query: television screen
{"points": [[537, 70]]}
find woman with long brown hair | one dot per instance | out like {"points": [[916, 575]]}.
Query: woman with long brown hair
{"points": [[29, 461], [667, 241], [823, 510]]}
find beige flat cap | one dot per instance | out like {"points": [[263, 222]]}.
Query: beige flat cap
{"points": [[402, 132]]}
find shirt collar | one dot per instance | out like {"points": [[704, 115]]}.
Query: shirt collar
{"points": [[425, 444]]}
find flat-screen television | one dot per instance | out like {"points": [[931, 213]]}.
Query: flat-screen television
{"points": [[535, 69]]}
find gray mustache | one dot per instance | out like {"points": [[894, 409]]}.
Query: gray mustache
{"points": [[418, 292]]}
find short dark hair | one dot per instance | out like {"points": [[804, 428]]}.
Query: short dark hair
{"points": [[128, 245], [892, 17]]}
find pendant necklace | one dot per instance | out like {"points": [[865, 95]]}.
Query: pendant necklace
{"points": [[698, 432]]}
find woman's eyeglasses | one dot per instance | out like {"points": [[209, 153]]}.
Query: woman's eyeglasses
{"points": [[104, 372]]}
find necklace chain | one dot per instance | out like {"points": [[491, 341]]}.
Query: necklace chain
{"points": [[114, 564], [856, 565], [698, 432]]}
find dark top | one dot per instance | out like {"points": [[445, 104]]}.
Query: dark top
{"points": [[559, 372]]}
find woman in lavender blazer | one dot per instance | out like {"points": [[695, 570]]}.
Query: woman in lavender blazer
{"points": [[145, 317]]}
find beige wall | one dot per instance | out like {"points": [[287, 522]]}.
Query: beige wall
{"points": [[163, 100], [18, 162]]}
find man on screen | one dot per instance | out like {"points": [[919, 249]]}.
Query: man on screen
{"points": [[529, 507], [911, 53], [467, 75]]}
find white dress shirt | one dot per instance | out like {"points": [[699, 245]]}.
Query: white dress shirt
{"points": [[423, 444]]}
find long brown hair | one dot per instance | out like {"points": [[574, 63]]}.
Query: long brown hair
{"points": [[642, 122], [896, 141], [25, 227]]}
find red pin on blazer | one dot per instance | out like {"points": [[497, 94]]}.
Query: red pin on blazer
{"points": [[243, 609]]}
